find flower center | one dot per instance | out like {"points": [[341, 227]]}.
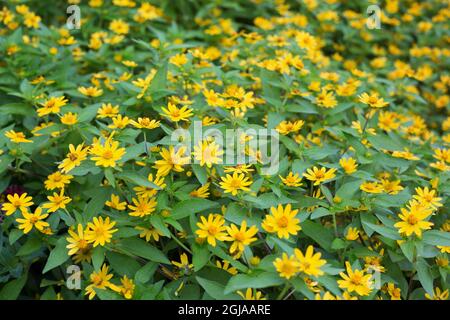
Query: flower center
{"points": [[283, 222]]}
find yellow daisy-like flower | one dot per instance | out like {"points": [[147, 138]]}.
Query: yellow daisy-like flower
{"points": [[171, 160], [282, 221], [287, 267], [250, 295], [107, 154], [77, 240], [292, 180], [371, 187], [147, 192], [184, 263], [373, 100], [92, 92], [17, 137], [208, 153], [176, 114], [52, 105], [99, 280], [352, 234], [17, 202], [202, 192], [149, 233], [145, 123], [241, 237], [355, 280], [233, 183], [319, 176], [99, 231], [57, 201], [348, 164], [212, 229], [310, 262], [428, 197], [33, 220], [142, 206], [74, 158], [115, 203], [57, 180], [413, 220], [438, 294]]}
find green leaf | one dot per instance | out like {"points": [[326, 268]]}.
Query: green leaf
{"points": [[215, 289], [255, 280], [12, 289], [143, 249], [122, 264], [200, 256], [188, 207], [323, 236], [200, 173], [17, 108], [437, 238], [383, 230], [57, 256], [408, 248], [424, 275], [32, 245], [109, 175]]}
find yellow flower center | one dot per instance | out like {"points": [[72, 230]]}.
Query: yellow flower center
{"points": [[283, 222], [108, 154], [412, 220]]}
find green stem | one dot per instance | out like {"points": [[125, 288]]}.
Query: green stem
{"points": [[283, 292]]}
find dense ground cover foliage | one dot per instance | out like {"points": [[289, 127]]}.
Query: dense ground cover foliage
{"points": [[99, 201]]}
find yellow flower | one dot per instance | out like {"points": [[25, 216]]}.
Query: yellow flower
{"points": [[413, 219], [250, 295], [108, 154], [310, 263], [286, 127], [33, 220], [52, 105], [241, 237], [69, 119], [127, 288], [178, 59], [142, 206], [391, 187], [100, 231], [292, 180], [119, 122], [107, 111], [77, 241], [319, 175], [90, 91], [73, 158], [171, 160], [225, 265], [176, 114], [287, 267], [352, 234], [17, 202], [99, 280], [406, 154], [232, 184], [202, 192], [57, 180], [394, 292], [119, 26], [147, 192], [57, 201], [348, 164], [208, 153], [371, 187], [428, 197], [355, 280], [282, 221], [438, 294], [184, 263], [17, 137], [145, 123], [212, 229], [149, 233], [326, 99], [373, 100], [32, 20], [115, 203]]}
